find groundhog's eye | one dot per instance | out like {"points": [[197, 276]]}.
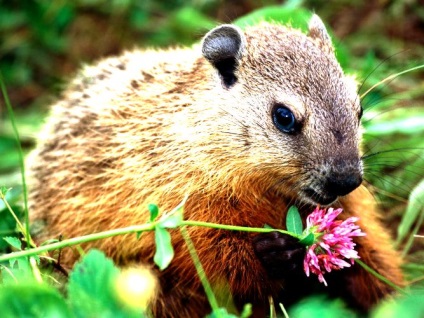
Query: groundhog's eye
{"points": [[284, 119]]}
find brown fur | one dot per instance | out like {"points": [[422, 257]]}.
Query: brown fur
{"points": [[155, 126]]}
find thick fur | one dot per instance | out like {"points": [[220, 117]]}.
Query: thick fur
{"points": [[155, 126]]}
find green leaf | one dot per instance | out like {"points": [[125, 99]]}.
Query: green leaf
{"points": [[319, 306], [308, 240], [415, 207], [12, 262], [411, 305], [11, 195], [164, 250], [8, 225], [13, 241], [154, 211], [188, 20], [293, 4], [297, 17], [19, 270], [221, 313], [33, 300], [293, 221], [4, 190], [247, 311], [90, 287]]}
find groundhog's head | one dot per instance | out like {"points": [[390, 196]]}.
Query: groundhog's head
{"points": [[290, 102]]}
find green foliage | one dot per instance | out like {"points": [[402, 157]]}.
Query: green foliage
{"points": [[154, 211], [308, 239], [10, 158], [90, 287], [45, 22], [8, 222], [21, 162], [182, 24], [286, 14], [91, 292], [13, 241], [223, 313], [319, 306], [414, 210], [411, 306], [409, 123], [295, 226], [33, 300], [414, 270], [414, 214], [294, 221], [36, 35], [164, 250], [17, 271]]}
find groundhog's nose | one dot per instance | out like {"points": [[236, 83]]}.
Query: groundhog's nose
{"points": [[340, 184]]}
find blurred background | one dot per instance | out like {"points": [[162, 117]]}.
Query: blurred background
{"points": [[44, 42]]}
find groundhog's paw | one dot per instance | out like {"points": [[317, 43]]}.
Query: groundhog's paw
{"points": [[280, 254]]}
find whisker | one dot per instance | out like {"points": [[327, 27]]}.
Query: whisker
{"points": [[365, 157], [382, 100], [383, 192], [376, 68], [383, 96], [400, 186], [409, 171], [391, 77]]}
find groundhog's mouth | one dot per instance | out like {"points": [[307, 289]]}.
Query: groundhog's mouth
{"points": [[317, 197]]}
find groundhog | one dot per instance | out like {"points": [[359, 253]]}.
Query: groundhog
{"points": [[245, 124]]}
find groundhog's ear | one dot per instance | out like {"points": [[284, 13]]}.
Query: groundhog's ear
{"points": [[318, 31], [223, 47]]}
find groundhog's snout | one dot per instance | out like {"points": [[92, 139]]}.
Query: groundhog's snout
{"points": [[342, 183], [333, 180]]}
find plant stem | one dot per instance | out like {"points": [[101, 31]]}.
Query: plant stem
{"points": [[237, 228], [78, 240], [379, 276], [19, 224], [200, 271], [283, 309], [21, 158], [150, 227], [127, 230], [9, 208]]}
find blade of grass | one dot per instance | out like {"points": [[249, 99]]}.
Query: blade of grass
{"points": [[18, 222], [411, 238], [414, 209], [200, 271], [21, 157], [391, 77], [379, 276], [283, 309]]}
